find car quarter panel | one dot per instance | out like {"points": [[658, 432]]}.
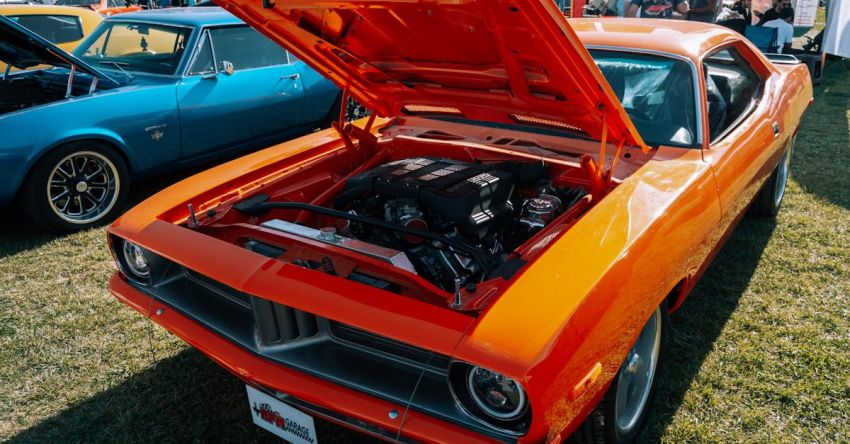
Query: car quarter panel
{"points": [[590, 293], [319, 93], [139, 120]]}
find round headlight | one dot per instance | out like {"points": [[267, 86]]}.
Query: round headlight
{"points": [[496, 394], [136, 261]]}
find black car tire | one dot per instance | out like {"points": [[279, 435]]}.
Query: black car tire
{"points": [[353, 111], [101, 186], [600, 426], [770, 196]]}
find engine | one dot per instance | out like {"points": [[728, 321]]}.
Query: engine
{"points": [[491, 207]]}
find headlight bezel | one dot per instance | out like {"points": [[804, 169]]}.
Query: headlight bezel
{"points": [[136, 261], [516, 422], [158, 267]]}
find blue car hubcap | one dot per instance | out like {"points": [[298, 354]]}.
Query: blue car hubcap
{"points": [[83, 187]]}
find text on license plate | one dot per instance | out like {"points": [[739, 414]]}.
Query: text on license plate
{"points": [[281, 419]]}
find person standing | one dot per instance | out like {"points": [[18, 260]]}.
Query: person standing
{"points": [[772, 13], [702, 10], [784, 30], [657, 8]]}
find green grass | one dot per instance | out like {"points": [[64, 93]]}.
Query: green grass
{"points": [[759, 353]]}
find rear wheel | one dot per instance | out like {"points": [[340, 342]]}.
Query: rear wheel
{"points": [[77, 186], [621, 413], [769, 198], [353, 111]]}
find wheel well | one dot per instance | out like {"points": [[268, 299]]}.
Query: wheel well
{"points": [[105, 142], [676, 295]]}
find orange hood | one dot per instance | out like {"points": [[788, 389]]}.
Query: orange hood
{"points": [[500, 61]]}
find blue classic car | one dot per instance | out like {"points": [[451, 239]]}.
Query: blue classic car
{"points": [[145, 93]]}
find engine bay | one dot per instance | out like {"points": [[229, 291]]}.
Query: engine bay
{"points": [[33, 88], [494, 208], [431, 215]]}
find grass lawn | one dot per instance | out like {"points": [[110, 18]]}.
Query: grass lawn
{"points": [[759, 353]]}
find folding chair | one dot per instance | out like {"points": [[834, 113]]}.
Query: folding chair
{"points": [[764, 38]]}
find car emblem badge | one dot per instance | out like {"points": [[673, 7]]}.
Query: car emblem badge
{"points": [[156, 132]]}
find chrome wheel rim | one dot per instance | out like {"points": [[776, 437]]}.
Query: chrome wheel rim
{"points": [[354, 110], [636, 375], [83, 187], [782, 175]]}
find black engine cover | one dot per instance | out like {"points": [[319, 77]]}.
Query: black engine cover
{"points": [[472, 197]]}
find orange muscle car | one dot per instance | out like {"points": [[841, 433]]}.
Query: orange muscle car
{"points": [[494, 253]]}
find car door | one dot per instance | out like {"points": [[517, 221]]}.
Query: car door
{"points": [[745, 140], [240, 90]]}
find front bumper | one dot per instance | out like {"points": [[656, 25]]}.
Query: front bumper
{"points": [[333, 402]]}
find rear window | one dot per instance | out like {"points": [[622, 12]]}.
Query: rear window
{"points": [[54, 28], [657, 92]]}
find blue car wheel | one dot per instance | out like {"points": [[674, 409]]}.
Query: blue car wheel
{"points": [[77, 186]]}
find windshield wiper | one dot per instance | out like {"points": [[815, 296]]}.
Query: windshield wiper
{"points": [[118, 65]]}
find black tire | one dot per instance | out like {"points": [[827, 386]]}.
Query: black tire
{"points": [[600, 426], [769, 198], [353, 111], [111, 186]]}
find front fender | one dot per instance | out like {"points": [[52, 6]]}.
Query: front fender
{"points": [[582, 303], [125, 117]]}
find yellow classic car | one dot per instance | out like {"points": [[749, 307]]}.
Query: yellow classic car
{"points": [[64, 26]]}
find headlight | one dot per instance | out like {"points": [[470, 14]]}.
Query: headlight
{"points": [[495, 394], [137, 263], [490, 397]]}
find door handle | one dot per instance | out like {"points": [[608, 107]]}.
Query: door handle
{"points": [[291, 76], [775, 129]]}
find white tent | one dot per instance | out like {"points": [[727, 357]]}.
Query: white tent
{"points": [[836, 40]]}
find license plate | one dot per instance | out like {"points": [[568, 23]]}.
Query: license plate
{"points": [[281, 419]]}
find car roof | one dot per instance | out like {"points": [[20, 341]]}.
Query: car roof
{"points": [[23, 9], [210, 16], [677, 37]]}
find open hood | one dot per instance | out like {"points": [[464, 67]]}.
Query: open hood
{"points": [[22, 48], [503, 61]]}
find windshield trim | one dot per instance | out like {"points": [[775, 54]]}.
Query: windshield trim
{"points": [[178, 70], [694, 81]]}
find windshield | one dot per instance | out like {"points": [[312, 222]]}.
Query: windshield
{"points": [[135, 47], [657, 93], [77, 2]]}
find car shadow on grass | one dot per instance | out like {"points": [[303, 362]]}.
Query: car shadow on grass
{"points": [[697, 324], [18, 234], [184, 398], [822, 152]]}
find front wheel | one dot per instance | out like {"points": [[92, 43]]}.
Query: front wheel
{"points": [[77, 186], [623, 410]]}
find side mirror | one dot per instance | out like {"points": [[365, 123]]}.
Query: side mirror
{"points": [[226, 67]]}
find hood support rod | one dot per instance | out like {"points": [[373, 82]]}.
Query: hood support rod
{"points": [[70, 88]]}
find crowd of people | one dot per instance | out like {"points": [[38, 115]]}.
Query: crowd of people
{"points": [[735, 14]]}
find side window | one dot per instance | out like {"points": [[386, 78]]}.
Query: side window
{"points": [[246, 48], [732, 90], [54, 28], [204, 62]]}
